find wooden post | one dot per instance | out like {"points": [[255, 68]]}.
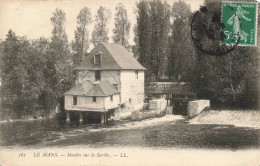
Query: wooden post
{"points": [[102, 117], [105, 117], [67, 116], [80, 116]]}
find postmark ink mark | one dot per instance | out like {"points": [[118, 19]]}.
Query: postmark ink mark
{"points": [[207, 33]]}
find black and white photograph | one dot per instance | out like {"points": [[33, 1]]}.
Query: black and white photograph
{"points": [[129, 82]]}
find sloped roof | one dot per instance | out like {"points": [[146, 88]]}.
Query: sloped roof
{"points": [[111, 80], [76, 90], [103, 88], [114, 57]]}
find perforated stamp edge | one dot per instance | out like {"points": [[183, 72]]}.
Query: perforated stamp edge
{"points": [[256, 21]]}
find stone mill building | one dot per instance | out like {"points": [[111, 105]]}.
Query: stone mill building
{"points": [[106, 79]]}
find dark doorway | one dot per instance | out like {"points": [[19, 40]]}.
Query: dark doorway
{"points": [[92, 117], [97, 75], [180, 107]]}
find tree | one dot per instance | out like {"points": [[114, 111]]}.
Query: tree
{"points": [[59, 53], [143, 35], [45, 100], [182, 52], [80, 45], [13, 84], [58, 71], [122, 26], [152, 30], [22, 70], [58, 22], [100, 31], [160, 29]]}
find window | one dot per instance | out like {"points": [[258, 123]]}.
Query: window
{"points": [[75, 100], [111, 98], [97, 75], [94, 99], [98, 58], [136, 74]]}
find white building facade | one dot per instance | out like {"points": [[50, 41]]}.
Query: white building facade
{"points": [[108, 77]]}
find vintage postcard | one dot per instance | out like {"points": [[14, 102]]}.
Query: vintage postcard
{"points": [[129, 82]]}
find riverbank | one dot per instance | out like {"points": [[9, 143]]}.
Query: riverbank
{"points": [[37, 116], [25, 119], [239, 118]]}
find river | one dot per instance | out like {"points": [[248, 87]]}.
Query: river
{"points": [[171, 131]]}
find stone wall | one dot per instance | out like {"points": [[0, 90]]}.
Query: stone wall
{"points": [[156, 108], [132, 86], [159, 105], [196, 106]]}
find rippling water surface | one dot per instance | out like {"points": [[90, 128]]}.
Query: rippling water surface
{"points": [[169, 131]]}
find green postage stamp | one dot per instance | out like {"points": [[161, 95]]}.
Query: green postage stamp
{"points": [[240, 20]]}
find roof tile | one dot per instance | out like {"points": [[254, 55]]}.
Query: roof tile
{"points": [[102, 88], [114, 57]]}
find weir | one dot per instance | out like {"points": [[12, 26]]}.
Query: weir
{"points": [[177, 94], [243, 118], [169, 110]]}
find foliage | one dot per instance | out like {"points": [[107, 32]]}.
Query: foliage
{"points": [[100, 31], [230, 80], [160, 21], [81, 43], [181, 61], [122, 26], [143, 34], [36, 73], [152, 30], [22, 70], [58, 73]]}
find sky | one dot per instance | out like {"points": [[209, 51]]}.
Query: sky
{"points": [[31, 18]]}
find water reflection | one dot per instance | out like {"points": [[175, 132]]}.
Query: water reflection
{"points": [[171, 131]]}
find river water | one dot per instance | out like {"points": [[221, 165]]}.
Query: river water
{"points": [[171, 131]]}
